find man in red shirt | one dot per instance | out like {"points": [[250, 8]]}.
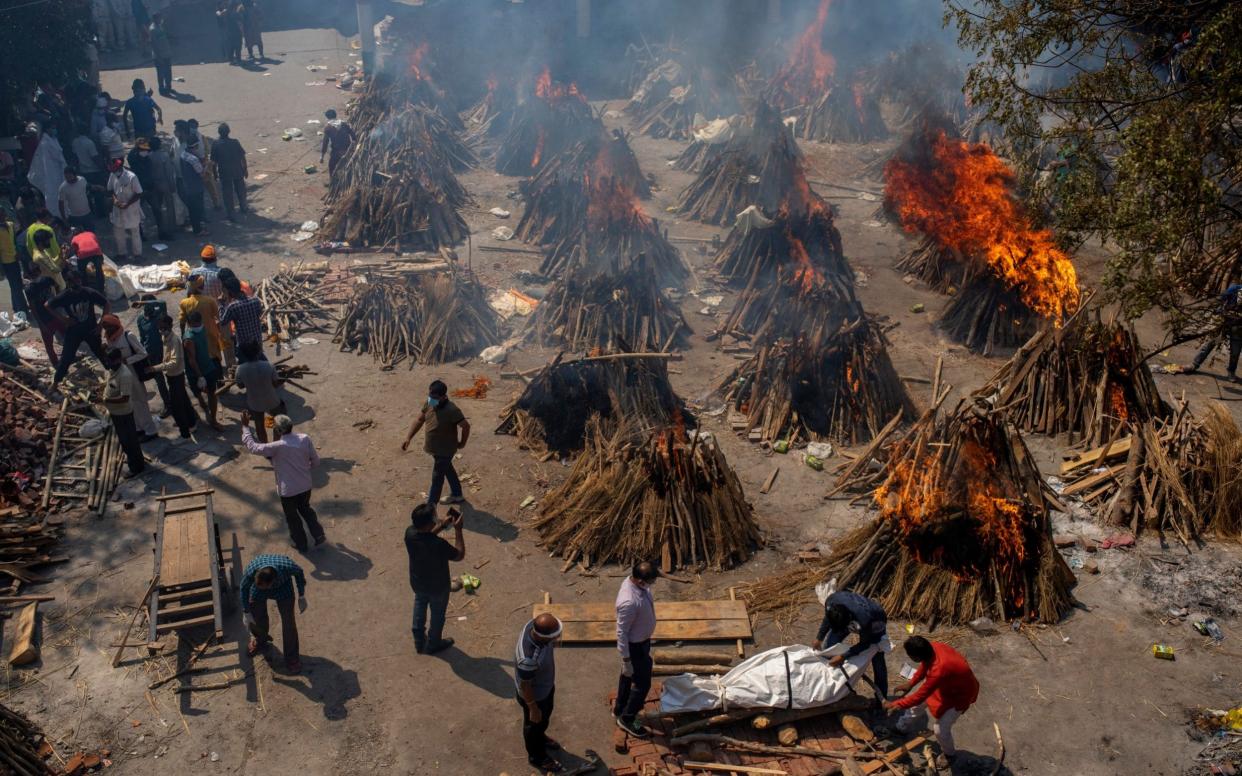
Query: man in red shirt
{"points": [[84, 246], [949, 688]]}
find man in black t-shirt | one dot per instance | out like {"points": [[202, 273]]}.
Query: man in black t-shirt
{"points": [[75, 308], [429, 573]]}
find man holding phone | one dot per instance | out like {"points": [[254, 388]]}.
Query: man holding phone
{"points": [[429, 573]]}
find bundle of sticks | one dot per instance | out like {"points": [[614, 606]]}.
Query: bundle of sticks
{"points": [[1174, 475], [550, 417], [1085, 379], [826, 384], [758, 167], [27, 425], [677, 92], [633, 495], [963, 530], [556, 117], [82, 470], [758, 247], [797, 300], [987, 315], [610, 308], [491, 117], [27, 543], [21, 742], [696, 156], [584, 175], [614, 231], [294, 301], [397, 186], [387, 93], [942, 267], [425, 318], [846, 113]]}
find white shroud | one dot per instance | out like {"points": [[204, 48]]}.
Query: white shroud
{"points": [[792, 677]]}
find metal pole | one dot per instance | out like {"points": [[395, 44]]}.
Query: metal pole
{"points": [[366, 34]]}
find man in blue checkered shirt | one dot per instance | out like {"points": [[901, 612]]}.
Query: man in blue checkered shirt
{"points": [[272, 577], [244, 313]]}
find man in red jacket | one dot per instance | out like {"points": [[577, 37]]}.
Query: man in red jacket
{"points": [[949, 688]]}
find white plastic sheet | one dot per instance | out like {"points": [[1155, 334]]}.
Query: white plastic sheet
{"points": [[791, 677]]}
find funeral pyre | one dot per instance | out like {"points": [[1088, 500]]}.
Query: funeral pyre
{"points": [[1010, 276], [649, 494], [610, 308], [397, 187], [554, 118], [426, 315], [1086, 379], [963, 530], [551, 415], [678, 92], [826, 105]]}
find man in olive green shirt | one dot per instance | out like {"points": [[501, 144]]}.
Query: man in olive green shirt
{"points": [[9, 264], [442, 418]]}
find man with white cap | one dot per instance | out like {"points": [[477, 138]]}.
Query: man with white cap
{"points": [[536, 686]]}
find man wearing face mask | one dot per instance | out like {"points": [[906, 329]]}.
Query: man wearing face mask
{"points": [[442, 419], [126, 213], [636, 622]]}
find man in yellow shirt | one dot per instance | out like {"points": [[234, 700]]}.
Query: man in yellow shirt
{"points": [[9, 264], [198, 301], [42, 223], [49, 262]]}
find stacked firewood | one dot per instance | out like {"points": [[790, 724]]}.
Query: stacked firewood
{"points": [[21, 745], [388, 93], [551, 416], [836, 384], [491, 117], [1175, 475], [585, 175], [610, 309], [963, 530], [544, 124], [755, 251], [27, 426], [1085, 379], [760, 166], [397, 186], [676, 92], [424, 317], [986, 316], [654, 495], [846, 113], [294, 300], [27, 544], [942, 267]]}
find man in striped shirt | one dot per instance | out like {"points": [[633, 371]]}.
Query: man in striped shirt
{"points": [[535, 664], [272, 577]]}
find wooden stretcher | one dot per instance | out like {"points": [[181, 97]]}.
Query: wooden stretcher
{"points": [[675, 621], [192, 587]]}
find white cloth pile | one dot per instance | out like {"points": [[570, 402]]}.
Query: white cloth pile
{"points": [[791, 677]]}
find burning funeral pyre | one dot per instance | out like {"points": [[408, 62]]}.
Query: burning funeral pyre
{"points": [[393, 90], [490, 118], [553, 119], [757, 166], [1086, 379], [610, 309], [963, 530], [677, 94], [558, 196], [1008, 276], [419, 316], [658, 493], [825, 105], [397, 188], [918, 79], [552, 414]]}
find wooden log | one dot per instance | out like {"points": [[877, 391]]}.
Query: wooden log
{"points": [[25, 651], [673, 669], [727, 742], [688, 656], [787, 734], [778, 717], [724, 718]]}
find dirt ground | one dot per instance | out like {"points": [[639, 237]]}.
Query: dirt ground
{"points": [[1084, 697]]}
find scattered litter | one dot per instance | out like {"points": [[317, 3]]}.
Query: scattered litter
{"points": [[309, 226], [316, 68], [310, 169], [261, 176], [478, 390], [462, 618], [781, 446], [918, 308], [470, 583], [313, 121], [161, 247], [502, 233], [215, 757], [873, 224], [499, 212], [1163, 652], [813, 462], [496, 354], [301, 236], [712, 300], [1208, 627], [526, 502], [179, 80], [908, 671], [291, 133], [819, 449], [512, 302], [262, 150], [308, 341]]}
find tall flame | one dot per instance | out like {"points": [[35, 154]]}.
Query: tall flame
{"points": [[609, 198], [551, 91], [964, 201], [809, 66]]}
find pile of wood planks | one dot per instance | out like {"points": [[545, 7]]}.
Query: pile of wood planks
{"points": [[296, 300], [613, 309], [23, 747], [760, 166], [1086, 379], [646, 496], [27, 543], [397, 186], [552, 415], [963, 530], [826, 384], [425, 315], [28, 423]]}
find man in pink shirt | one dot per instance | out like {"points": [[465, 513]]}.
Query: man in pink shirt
{"points": [[636, 622], [293, 458]]}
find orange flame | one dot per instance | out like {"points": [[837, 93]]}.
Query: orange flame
{"points": [[549, 91], [1117, 404], [965, 202], [809, 67], [416, 61], [535, 157], [806, 276], [609, 198]]}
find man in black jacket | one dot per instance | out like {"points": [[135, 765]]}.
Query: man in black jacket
{"points": [[844, 612], [429, 573]]}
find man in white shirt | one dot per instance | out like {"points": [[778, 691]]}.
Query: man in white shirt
{"points": [[75, 202], [126, 214]]}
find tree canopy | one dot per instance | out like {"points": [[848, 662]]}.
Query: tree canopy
{"points": [[1130, 110]]}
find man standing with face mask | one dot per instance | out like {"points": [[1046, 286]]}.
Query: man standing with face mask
{"points": [[442, 419], [636, 622]]}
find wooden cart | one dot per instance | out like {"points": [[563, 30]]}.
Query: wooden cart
{"points": [[192, 586]]}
